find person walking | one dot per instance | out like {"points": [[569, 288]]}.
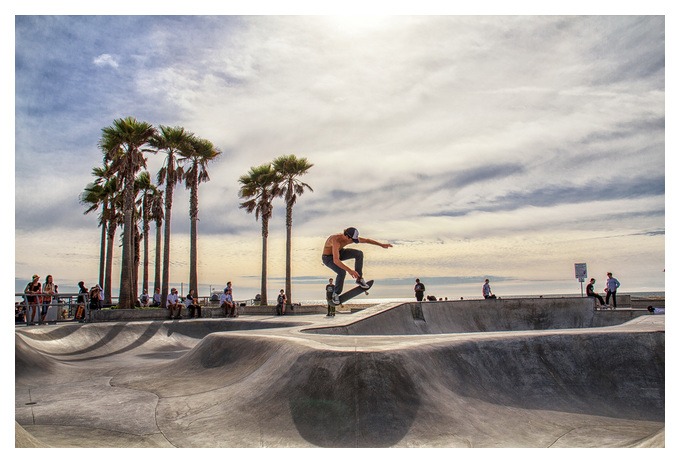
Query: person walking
{"points": [[612, 285], [334, 252]]}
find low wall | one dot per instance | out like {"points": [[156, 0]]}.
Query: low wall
{"points": [[469, 316], [109, 315]]}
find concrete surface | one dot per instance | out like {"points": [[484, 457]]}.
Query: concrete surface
{"points": [[266, 381]]}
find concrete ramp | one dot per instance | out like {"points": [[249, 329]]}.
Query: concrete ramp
{"points": [[262, 382], [469, 317]]}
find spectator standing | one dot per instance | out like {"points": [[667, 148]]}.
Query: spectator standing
{"points": [[419, 289], [49, 290], [174, 304], [281, 303], [486, 290], [192, 305], [32, 290], [612, 285], [80, 311], [330, 289], [591, 292]]}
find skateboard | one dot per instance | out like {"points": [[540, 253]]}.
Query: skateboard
{"points": [[347, 295]]}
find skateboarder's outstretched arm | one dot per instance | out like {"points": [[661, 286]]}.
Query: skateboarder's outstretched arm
{"points": [[370, 241]]}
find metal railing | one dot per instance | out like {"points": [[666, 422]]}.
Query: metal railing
{"points": [[59, 308]]}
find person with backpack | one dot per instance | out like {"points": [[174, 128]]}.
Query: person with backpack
{"points": [[419, 289]]}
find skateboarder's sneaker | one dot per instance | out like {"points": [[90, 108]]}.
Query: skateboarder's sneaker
{"points": [[335, 299], [361, 282]]}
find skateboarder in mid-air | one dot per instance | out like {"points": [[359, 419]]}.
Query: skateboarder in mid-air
{"points": [[334, 253]]}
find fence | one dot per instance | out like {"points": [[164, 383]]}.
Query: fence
{"points": [[61, 307]]}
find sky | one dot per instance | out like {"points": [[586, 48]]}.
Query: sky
{"points": [[500, 147]]}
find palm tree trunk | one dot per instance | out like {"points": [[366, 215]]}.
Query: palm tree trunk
{"points": [[111, 236], [166, 244], [126, 279], [145, 222], [102, 252], [289, 230], [193, 252], [135, 268], [263, 284], [157, 273]]}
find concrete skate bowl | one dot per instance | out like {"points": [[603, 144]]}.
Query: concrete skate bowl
{"points": [[272, 385]]}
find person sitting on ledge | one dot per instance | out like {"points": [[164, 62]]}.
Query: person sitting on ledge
{"points": [[656, 311], [174, 304], [156, 298], [591, 293], [192, 305], [486, 290], [144, 298], [226, 302]]}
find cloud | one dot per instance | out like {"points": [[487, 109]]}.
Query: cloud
{"points": [[105, 60]]}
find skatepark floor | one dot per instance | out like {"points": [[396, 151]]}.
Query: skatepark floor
{"points": [[267, 381]]}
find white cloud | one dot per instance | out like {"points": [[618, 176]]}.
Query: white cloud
{"points": [[105, 60]]}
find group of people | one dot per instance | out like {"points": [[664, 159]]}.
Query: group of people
{"points": [[173, 303], [610, 289], [40, 297]]}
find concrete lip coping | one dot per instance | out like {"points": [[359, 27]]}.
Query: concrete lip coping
{"points": [[399, 375]]}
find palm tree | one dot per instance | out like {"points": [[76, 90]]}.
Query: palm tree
{"points": [[157, 216], [104, 192], [170, 140], [148, 190], [198, 153], [93, 197], [259, 187], [123, 145], [290, 168]]}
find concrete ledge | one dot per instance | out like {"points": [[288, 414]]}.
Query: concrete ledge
{"points": [[108, 315]]}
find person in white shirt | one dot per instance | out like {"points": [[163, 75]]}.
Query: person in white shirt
{"points": [[612, 286], [144, 298], [486, 290], [174, 304], [656, 311]]}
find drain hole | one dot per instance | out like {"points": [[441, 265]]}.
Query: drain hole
{"points": [[30, 403]]}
